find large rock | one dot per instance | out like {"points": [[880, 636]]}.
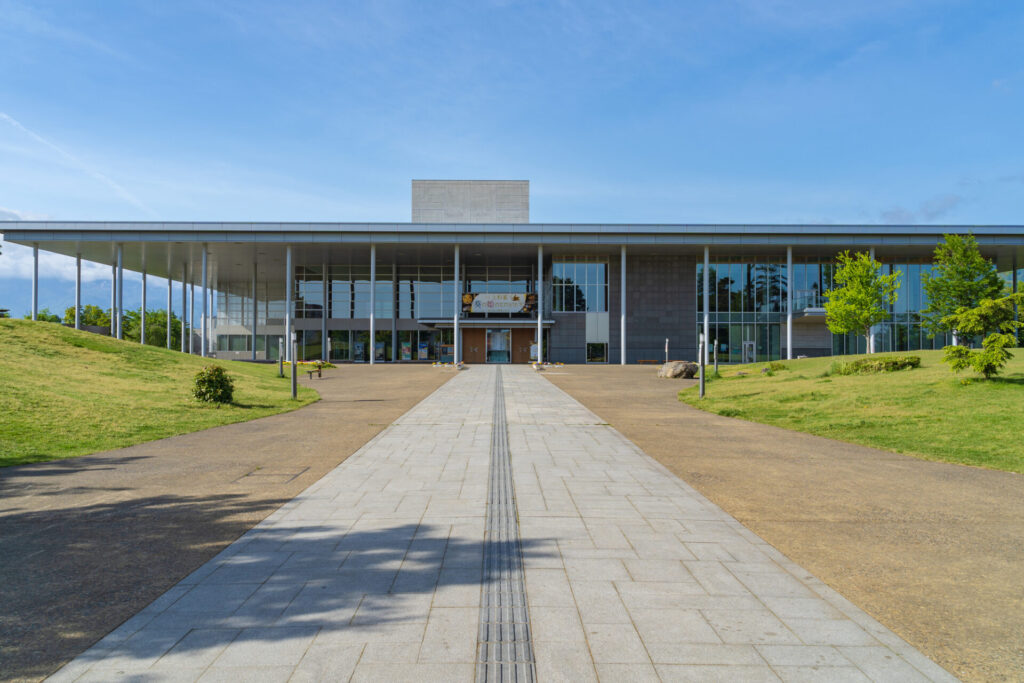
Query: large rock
{"points": [[679, 368]]}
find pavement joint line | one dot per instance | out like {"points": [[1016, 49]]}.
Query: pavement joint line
{"points": [[504, 646]]}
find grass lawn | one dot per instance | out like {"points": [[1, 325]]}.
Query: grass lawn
{"points": [[926, 412], [65, 393]]}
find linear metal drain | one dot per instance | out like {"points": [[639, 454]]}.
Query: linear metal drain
{"points": [[504, 651]]}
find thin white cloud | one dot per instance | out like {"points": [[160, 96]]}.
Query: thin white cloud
{"points": [[75, 161], [16, 263]]}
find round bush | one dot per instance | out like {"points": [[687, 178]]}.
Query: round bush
{"points": [[213, 385]]}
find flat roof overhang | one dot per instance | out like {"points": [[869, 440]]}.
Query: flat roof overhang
{"points": [[162, 247], [444, 323]]}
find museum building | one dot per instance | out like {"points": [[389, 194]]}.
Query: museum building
{"points": [[471, 278]]}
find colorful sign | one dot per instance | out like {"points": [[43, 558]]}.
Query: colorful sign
{"points": [[493, 302]]}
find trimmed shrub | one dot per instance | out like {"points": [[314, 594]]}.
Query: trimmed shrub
{"points": [[213, 385], [775, 366], [868, 366]]}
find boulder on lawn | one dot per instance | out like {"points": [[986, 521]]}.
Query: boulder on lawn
{"points": [[679, 368]]}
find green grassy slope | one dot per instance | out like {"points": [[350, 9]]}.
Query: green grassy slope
{"points": [[65, 393], [927, 412]]}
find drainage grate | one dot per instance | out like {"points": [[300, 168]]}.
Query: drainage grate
{"points": [[504, 650]]}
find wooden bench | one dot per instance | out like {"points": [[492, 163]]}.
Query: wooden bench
{"points": [[318, 370], [649, 362]]}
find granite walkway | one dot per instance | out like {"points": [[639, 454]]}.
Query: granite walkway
{"points": [[377, 571]]}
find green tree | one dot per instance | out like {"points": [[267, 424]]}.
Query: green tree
{"points": [[961, 277], [156, 327], [44, 315], [861, 297], [90, 315], [994, 317]]}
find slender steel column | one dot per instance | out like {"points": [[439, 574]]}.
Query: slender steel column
{"points": [[191, 311], [373, 304], [113, 294], [255, 310], [789, 303], [170, 293], [35, 281], [323, 320], [622, 305], [540, 303], [707, 299], [142, 317], [871, 335], [184, 302], [204, 319], [78, 291], [394, 312], [120, 291], [456, 341], [288, 275]]}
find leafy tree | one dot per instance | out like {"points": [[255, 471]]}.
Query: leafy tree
{"points": [[156, 327], [961, 277], [861, 296], [91, 315], [44, 315], [991, 315]]}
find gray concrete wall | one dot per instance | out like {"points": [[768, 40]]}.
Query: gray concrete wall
{"points": [[661, 296], [569, 338], [810, 339], [470, 201]]}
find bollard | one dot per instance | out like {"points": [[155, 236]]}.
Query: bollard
{"points": [[280, 358], [716, 356]]}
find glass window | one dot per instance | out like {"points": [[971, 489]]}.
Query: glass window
{"points": [[597, 353]]}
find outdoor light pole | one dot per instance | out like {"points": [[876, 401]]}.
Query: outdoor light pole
{"points": [[295, 365], [703, 355]]}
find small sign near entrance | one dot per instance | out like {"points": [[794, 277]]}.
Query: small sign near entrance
{"points": [[493, 302]]}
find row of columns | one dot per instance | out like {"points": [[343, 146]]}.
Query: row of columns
{"points": [[117, 299]]}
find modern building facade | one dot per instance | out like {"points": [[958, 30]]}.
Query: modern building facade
{"points": [[471, 278]]}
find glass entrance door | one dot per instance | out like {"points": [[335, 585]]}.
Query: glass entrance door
{"points": [[499, 346]]}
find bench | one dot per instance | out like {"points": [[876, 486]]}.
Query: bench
{"points": [[649, 362], [317, 370]]}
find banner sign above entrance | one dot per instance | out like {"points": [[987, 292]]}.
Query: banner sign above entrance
{"points": [[493, 302]]}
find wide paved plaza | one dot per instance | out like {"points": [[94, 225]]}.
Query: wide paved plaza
{"points": [[499, 530]]}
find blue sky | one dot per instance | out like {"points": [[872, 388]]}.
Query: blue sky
{"points": [[724, 111]]}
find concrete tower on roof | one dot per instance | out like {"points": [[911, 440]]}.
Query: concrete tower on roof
{"points": [[471, 201]]}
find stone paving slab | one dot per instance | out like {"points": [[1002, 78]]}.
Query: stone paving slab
{"points": [[375, 571]]}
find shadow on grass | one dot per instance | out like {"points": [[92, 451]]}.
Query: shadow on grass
{"points": [[70, 575]]}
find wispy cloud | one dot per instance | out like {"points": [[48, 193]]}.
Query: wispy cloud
{"points": [[81, 165], [929, 211]]}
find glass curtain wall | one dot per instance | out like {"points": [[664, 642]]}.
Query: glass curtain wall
{"points": [[747, 304], [579, 284]]}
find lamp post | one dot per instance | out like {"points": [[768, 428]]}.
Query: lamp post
{"points": [[703, 357]]}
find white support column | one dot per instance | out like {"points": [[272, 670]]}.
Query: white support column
{"points": [[289, 273], [707, 299], [373, 304], [323, 320], [622, 305], [456, 342], [204, 318], [142, 316], [78, 291], [540, 303], [191, 310], [255, 311], [789, 303], [120, 291], [35, 281], [113, 294], [394, 311], [871, 336], [170, 294], [184, 303]]}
